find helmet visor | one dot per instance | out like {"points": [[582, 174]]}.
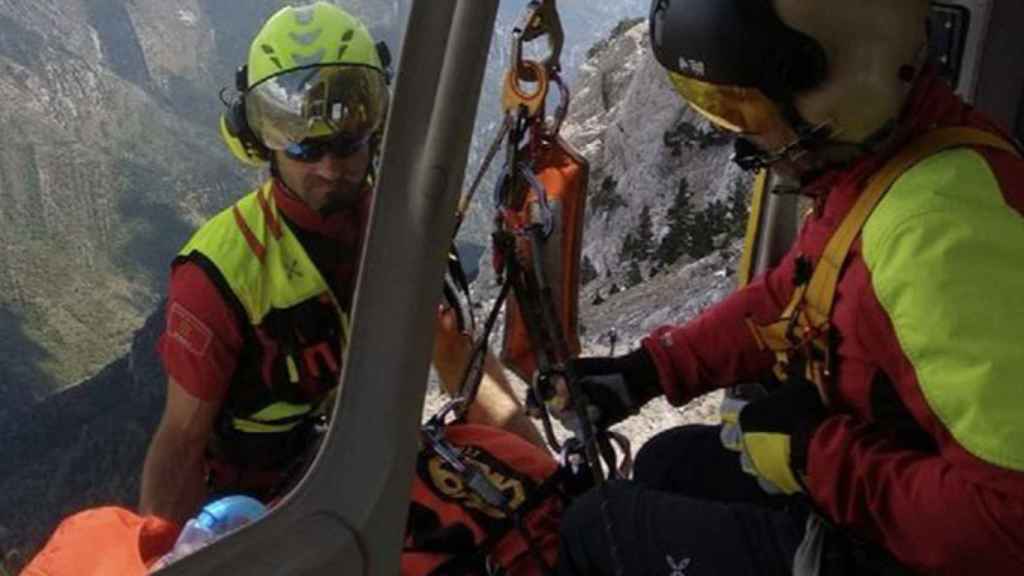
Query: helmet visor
{"points": [[322, 102], [738, 109]]}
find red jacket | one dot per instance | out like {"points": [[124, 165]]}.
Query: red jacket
{"points": [[924, 449]]}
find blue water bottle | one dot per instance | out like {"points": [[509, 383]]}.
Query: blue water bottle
{"points": [[214, 521]]}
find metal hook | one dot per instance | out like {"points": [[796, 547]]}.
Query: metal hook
{"points": [[541, 19], [514, 95]]}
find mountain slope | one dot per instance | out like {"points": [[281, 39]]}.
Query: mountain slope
{"points": [[109, 158]]}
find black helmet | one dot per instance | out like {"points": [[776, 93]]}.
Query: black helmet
{"points": [[792, 71]]}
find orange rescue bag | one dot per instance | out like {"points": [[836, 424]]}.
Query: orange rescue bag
{"points": [[564, 175], [102, 542]]}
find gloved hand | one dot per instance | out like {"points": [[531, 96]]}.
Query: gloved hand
{"points": [[616, 387], [776, 431]]}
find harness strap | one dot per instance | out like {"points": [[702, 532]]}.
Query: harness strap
{"points": [[273, 224], [258, 249], [804, 326]]}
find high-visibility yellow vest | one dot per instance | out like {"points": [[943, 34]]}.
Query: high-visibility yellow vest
{"points": [[253, 256]]}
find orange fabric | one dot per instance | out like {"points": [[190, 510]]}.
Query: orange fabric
{"points": [[115, 541], [258, 249], [102, 542], [516, 459], [564, 175], [272, 222]]}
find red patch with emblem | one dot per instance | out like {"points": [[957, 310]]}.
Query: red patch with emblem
{"points": [[190, 331]]}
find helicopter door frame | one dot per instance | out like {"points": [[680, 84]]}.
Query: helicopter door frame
{"points": [[1000, 86]]}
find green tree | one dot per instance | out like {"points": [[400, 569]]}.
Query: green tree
{"points": [[634, 276], [628, 250], [606, 196], [680, 227], [645, 235], [588, 272], [739, 208], [708, 224]]}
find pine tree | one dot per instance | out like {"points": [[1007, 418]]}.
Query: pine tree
{"points": [[739, 208], [588, 273], [710, 222], [634, 276], [628, 250], [680, 228], [606, 196]]}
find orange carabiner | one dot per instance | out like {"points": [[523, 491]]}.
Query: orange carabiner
{"points": [[514, 94]]}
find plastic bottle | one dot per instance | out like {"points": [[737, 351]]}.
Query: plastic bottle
{"points": [[214, 521]]}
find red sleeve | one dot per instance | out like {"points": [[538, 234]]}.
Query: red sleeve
{"points": [[201, 341], [717, 349], [922, 507]]}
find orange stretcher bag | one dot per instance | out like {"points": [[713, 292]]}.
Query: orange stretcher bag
{"points": [[102, 542], [563, 173]]}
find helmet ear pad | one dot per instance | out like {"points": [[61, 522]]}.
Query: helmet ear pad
{"points": [[236, 132], [239, 138]]}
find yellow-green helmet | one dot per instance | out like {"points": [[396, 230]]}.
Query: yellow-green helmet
{"points": [[314, 72], [314, 35]]}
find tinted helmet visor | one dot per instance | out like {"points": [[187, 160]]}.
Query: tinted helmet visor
{"points": [[342, 105]]}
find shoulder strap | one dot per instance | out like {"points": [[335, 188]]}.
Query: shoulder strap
{"points": [[821, 291], [804, 324]]}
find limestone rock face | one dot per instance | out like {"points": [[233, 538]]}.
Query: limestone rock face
{"points": [[641, 141]]}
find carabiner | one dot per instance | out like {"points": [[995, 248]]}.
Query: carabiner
{"points": [[515, 95], [541, 19]]}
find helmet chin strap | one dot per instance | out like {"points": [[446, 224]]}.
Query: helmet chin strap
{"points": [[751, 158]]}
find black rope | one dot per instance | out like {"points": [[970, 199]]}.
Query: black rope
{"points": [[474, 371]]}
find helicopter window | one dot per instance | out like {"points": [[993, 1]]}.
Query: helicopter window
{"points": [[947, 31]]}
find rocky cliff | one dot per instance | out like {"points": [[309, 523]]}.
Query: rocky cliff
{"points": [[109, 157], [80, 448]]}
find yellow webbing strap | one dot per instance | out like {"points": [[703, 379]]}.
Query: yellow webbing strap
{"points": [[746, 269], [821, 293], [805, 320]]}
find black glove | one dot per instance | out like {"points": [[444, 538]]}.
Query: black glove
{"points": [[777, 430], [616, 386]]}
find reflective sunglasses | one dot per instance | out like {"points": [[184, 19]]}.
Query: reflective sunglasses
{"points": [[311, 151]]}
